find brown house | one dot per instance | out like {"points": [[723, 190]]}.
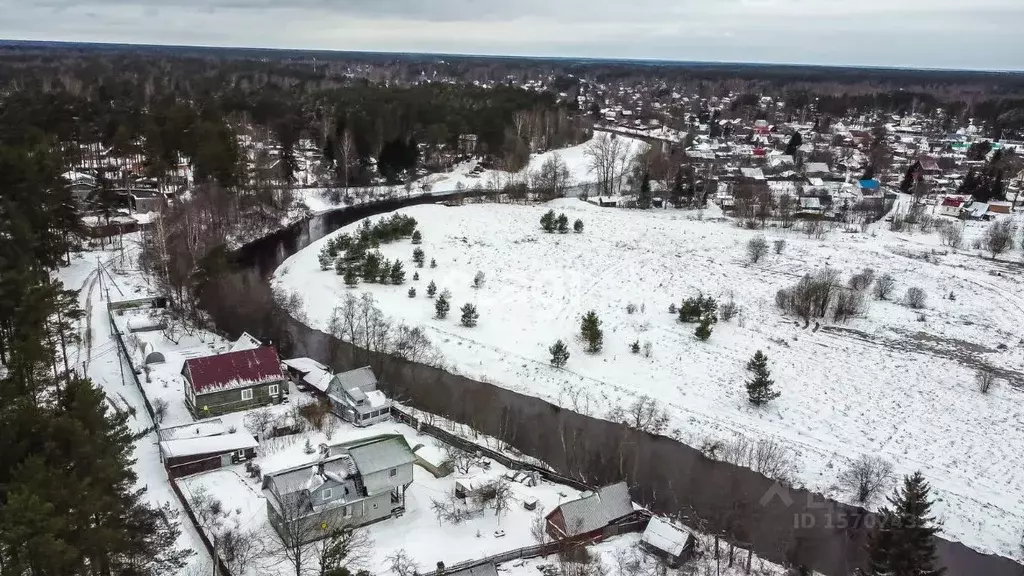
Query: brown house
{"points": [[233, 381], [204, 445], [590, 517]]}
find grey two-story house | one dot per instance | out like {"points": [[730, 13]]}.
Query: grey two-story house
{"points": [[355, 398], [352, 484]]}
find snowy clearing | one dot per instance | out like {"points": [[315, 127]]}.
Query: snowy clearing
{"points": [[896, 382]]}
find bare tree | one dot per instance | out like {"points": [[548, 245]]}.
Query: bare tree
{"points": [[401, 564], [884, 286], [257, 422], [344, 547], [299, 537], [999, 236], [756, 249], [643, 414], [765, 455], [552, 179], [159, 410], [985, 378], [460, 459], [538, 527], [916, 297], [502, 500], [242, 548], [607, 156], [866, 478]]}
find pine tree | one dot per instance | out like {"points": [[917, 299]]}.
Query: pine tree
{"points": [[643, 199], [417, 237], [469, 315], [559, 354], [415, 276], [759, 388], [433, 263], [412, 292], [547, 221], [562, 223], [590, 330], [350, 276], [795, 142], [578, 226], [397, 274], [431, 289], [677, 189], [418, 256], [441, 307], [703, 329], [903, 540]]}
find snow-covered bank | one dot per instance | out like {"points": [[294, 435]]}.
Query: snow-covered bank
{"points": [[886, 384]]}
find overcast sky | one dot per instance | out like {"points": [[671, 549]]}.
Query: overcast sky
{"points": [[977, 34]]}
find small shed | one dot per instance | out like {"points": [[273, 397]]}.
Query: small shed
{"points": [[433, 460], [668, 541], [587, 517]]}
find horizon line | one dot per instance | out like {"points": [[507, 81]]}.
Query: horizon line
{"points": [[14, 42]]}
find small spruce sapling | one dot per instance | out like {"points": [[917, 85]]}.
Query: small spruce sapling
{"points": [[417, 237], [563, 224], [559, 354], [577, 226], [412, 292], [547, 221], [469, 315], [590, 331], [441, 307], [350, 276], [415, 276], [433, 263], [703, 329], [479, 279], [635, 347], [760, 389], [431, 289], [397, 273], [418, 256]]}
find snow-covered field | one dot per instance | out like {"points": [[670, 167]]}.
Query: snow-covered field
{"points": [[888, 384]]}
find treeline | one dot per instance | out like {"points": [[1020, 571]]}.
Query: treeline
{"points": [[70, 503]]}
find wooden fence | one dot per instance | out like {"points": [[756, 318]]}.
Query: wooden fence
{"points": [[511, 463]]}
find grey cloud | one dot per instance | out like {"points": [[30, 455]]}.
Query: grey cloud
{"points": [[930, 33]]}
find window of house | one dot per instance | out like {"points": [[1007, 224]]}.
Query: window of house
{"points": [[247, 394], [240, 454], [273, 389], [346, 511], [346, 490], [393, 472], [374, 505], [327, 493]]}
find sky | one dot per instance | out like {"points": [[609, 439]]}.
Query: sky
{"points": [[971, 34]]}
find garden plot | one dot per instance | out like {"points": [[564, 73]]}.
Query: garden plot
{"points": [[845, 392]]}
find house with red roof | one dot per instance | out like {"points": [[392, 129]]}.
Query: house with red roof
{"points": [[233, 381]]}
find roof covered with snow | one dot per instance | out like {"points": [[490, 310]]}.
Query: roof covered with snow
{"points": [[596, 509], [379, 453], [231, 370], [201, 429], [219, 444], [245, 342], [666, 536]]}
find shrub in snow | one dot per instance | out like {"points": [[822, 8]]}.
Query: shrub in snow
{"points": [[635, 347], [577, 226], [630, 308], [417, 237], [562, 223], [479, 279], [695, 308], [729, 310], [999, 236], [862, 280], [884, 286], [647, 349], [849, 303], [915, 297], [159, 410], [433, 263], [591, 333], [780, 245], [559, 354], [756, 249], [469, 315], [547, 221], [866, 478], [672, 309], [412, 292], [441, 307], [952, 234], [431, 289], [985, 378], [760, 389]]}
